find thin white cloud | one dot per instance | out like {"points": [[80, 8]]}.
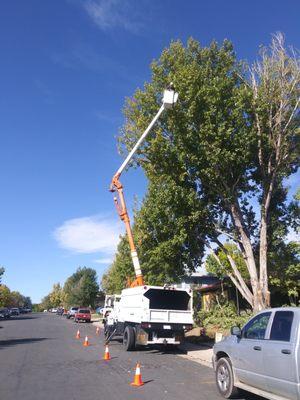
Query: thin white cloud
{"points": [[106, 261], [109, 14], [89, 235]]}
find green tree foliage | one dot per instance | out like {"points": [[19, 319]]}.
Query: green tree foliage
{"points": [[218, 264], [56, 296], [227, 145], [10, 298], [2, 270], [221, 317], [167, 227], [285, 270], [18, 300], [46, 303], [5, 296], [166, 230], [81, 288]]}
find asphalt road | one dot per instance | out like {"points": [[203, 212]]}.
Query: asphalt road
{"points": [[40, 359]]}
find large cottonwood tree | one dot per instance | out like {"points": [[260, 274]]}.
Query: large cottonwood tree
{"points": [[231, 140]]}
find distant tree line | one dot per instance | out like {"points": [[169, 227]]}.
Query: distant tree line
{"points": [[80, 289], [11, 298]]}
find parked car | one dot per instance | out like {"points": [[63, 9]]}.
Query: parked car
{"points": [[71, 312], [263, 357], [14, 311], [24, 310], [100, 310], [83, 314], [4, 313]]}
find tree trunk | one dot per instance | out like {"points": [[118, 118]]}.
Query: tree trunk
{"points": [[237, 279], [263, 243], [246, 293], [263, 273], [258, 303]]}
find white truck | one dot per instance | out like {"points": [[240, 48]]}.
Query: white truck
{"points": [[147, 315]]}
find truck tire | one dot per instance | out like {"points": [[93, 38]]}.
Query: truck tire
{"points": [[129, 338], [225, 379]]}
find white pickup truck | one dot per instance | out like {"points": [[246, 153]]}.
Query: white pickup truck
{"points": [[263, 357], [146, 315]]}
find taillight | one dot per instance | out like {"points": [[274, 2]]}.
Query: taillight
{"points": [[145, 325]]}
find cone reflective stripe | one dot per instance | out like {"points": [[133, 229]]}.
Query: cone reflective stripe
{"points": [[106, 354], [78, 334], [86, 341], [97, 330], [137, 377]]}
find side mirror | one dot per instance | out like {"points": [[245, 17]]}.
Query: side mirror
{"points": [[236, 331]]}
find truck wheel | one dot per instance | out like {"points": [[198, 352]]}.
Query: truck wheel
{"points": [[224, 379], [129, 338]]}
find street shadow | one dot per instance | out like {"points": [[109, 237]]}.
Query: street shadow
{"points": [[15, 342], [153, 349], [149, 381], [161, 350], [198, 345], [19, 317], [249, 396]]}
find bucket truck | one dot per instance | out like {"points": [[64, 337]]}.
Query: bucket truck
{"points": [[145, 314]]}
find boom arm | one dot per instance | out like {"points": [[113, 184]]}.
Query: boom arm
{"points": [[169, 99]]}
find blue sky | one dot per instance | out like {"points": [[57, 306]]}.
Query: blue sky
{"points": [[66, 68]]}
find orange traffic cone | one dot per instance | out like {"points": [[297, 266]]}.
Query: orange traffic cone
{"points": [[97, 330], [137, 377], [86, 342], [106, 354], [78, 334]]}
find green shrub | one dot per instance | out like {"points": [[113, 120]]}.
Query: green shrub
{"points": [[222, 317]]}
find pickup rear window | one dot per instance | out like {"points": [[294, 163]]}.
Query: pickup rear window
{"points": [[168, 299], [83, 311]]}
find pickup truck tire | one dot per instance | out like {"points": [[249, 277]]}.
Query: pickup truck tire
{"points": [[129, 338], [225, 379]]}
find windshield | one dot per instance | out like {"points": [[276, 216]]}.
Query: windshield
{"points": [[83, 311]]}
